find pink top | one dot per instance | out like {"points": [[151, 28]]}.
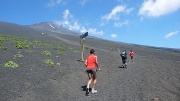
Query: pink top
{"points": [[131, 53]]}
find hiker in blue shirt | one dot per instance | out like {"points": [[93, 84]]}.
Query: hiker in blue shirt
{"points": [[124, 59]]}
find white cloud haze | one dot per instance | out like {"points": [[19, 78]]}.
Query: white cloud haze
{"points": [[94, 31], [126, 22], [129, 10], [157, 8], [72, 24], [67, 15], [83, 2], [171, 34], [53, 3], [75, 26], [114, 13], [113, 35]]}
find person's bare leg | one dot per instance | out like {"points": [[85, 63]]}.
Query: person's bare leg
{"points": [[88, 83], [94, 83], [90, 80], [132, 59], [94, 80]]}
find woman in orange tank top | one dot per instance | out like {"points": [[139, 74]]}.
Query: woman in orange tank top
{"points": [[91, 63]]}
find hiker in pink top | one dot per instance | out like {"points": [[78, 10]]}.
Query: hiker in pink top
{"points": [[131, 53]]}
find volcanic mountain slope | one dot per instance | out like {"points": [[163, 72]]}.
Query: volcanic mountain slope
{"points": [[53, 27], [154, 74]]}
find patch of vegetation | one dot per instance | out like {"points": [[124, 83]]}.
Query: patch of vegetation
{"points": [[62, 53], [70, 48], [50, 62], [4, 48], [61, 47], [11, 64], [37, 41], [30, 50], [75, 51], [40, 43], [55, 48], [15, 39], [18, 45], [43, 44], [21, 44], [3, 38], [17, 56], [86, 47], [50, 45], [47, 53]]}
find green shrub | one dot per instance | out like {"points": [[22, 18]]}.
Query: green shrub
{"points": [[47, 53], [86, 47], [26, 46], [50, 62], [11, 64], [4, 48], [3, 38], [21, 44], [62, 53], [30, 50], [37, 41], [70, 48], [62, 47], [17, 55], [75, 51]]}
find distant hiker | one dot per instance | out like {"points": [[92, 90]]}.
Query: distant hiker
{"points": [[124, 59], [91, 64], [117, 48], [131, 54]]}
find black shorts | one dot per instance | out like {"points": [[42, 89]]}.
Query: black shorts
{"points": [[124, 61], [91, 71]]}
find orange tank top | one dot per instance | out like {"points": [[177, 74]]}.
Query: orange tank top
{"points": [[91, 62]]}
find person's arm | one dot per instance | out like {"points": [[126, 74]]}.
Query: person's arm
{"points": [[85, 63], [97, 63]]}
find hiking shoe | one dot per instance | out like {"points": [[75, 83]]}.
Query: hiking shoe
{"points": [[87, 91], [94, 91]]}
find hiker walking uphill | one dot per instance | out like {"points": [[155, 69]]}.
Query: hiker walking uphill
{"points": [[131, 54], [91, 63], [124, 59]]}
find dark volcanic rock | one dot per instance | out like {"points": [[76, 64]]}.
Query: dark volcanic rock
{"points": [[154, 73]]}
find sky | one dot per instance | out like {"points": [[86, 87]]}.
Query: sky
{"points": [[144, 22]]}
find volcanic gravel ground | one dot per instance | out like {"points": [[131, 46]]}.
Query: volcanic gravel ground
{"points": [[153, 74]]}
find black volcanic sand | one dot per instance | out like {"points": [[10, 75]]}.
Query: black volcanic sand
{"points": [[154, 75]]}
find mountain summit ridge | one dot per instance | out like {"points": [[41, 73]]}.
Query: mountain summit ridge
{"points": [[53, 27]]}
